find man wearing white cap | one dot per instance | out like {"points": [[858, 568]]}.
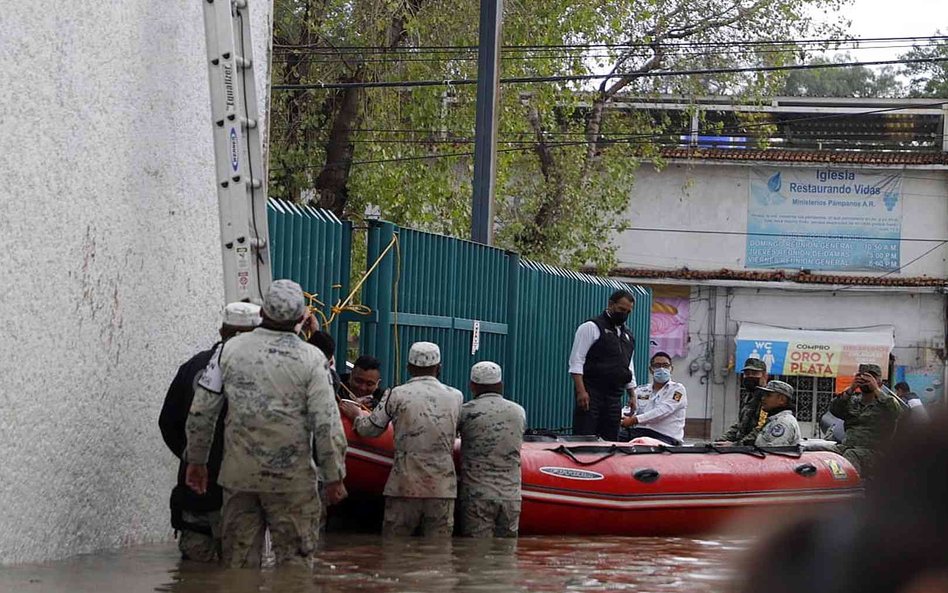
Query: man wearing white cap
{"points": [[280, 405], [197, 516], [422, 486], [491, 430]]}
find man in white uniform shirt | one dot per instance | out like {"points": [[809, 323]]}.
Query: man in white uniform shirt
{"points": [[658, 409]]}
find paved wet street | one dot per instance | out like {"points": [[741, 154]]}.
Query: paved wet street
{"points": [[367, 564]]}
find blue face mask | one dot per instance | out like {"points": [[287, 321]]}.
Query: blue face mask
{"points": [[662, 375]]}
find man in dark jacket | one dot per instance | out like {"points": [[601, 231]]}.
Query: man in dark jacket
{"points": [[750, 417], [197, 516], [601, 367], [871, 416]]}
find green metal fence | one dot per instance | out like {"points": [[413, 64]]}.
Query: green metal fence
{"points": [[313, 248], [476, 302], [552, 303], [481, 303], [438, 289]]}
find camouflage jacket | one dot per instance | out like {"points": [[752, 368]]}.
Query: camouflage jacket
{"points": [[424, 413], [781, 430], [491, 430], [749, 421], [280, 404], [867, 425]]}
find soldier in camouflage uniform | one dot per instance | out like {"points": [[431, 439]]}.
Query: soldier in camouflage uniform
{"points": [[422, 486], [491, 430], [781, 429], [195, 516], [871, 418], [750, 417], [280, 404]]}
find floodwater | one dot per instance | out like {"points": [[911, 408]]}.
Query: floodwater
{"points": [[369, 564]]}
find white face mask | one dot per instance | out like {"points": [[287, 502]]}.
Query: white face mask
{"points": [[661, 375]]}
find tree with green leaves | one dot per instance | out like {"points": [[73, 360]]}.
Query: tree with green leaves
{"points": [[567, 149], [927, 79], [854, 81]]}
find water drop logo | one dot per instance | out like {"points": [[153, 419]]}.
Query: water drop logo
{"points": [[771, 196], [890, 199]]}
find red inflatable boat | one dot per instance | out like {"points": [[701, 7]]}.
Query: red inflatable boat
{"points": [[595, 487]]}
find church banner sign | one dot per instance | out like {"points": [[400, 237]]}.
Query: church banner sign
{"points": [[823, 219], [813, 353]]}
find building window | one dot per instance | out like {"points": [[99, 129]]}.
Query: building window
{"points": [[813, 395]]}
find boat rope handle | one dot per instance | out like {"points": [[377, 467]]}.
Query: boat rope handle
{"points": [[752, 451], [564, 450], [611, 450], [795, 454]]}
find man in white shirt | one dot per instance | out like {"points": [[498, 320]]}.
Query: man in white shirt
{"points": [[659, 409], [601, 368]]}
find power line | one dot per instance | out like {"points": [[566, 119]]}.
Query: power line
{"points": [[782, 235], [736, 128], [332, 58], [762, 42], [400, 84], [676, 140], [584, 51], [325, 55], [628, 139]]}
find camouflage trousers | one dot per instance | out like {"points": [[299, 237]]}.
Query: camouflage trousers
{"points": [[292, 518], [201, 547], [482, 517], [862, 458], [428, 516]]}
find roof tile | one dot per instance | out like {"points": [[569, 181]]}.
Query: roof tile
{"points": [[778, 276], [809, 156]]}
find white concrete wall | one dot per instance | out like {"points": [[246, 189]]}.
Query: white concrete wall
{"points": [[110, 259], [713, 197]]}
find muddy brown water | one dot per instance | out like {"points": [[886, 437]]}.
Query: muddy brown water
{"points": [[369, 564]]}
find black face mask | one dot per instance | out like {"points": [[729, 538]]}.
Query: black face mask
{"points": [[617, 317], [750, 384]]}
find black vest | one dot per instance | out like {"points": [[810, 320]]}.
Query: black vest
{"points": [[607, 362], [173, 421]]}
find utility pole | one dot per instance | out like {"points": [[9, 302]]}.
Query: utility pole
{"points": [[485, 131]]}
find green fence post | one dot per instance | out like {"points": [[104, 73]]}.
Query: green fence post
{"points": [[383, 304], [370, 290], [278, 239], [513, 320], [341, 332]]}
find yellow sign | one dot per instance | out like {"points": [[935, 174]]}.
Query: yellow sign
{"points": [[812, 359]]}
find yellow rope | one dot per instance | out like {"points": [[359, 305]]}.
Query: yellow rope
{"points": [[316, 306], [345, 305]]}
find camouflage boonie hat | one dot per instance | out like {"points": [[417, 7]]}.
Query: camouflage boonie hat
{"points": [[754, 364], [778, 387], [284, 301], [486, 373], [424, 354], [872, 369]]}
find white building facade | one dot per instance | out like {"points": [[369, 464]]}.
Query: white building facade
{"points": [[868, 252], [109, 244]]}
